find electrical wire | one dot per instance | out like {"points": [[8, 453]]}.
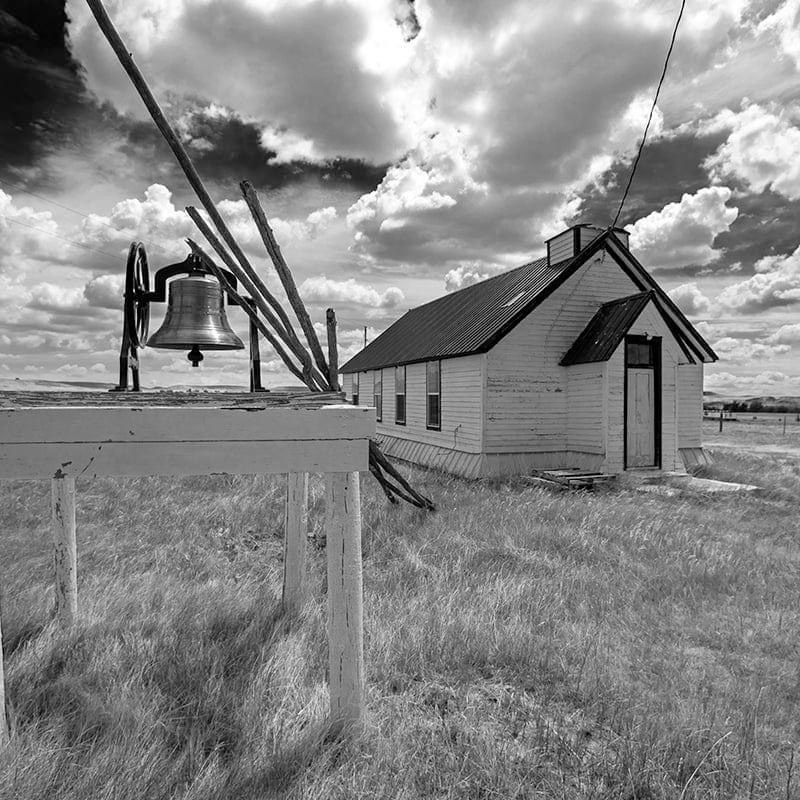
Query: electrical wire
{"points": [[23, 190], [63, 238], [650, 117]]}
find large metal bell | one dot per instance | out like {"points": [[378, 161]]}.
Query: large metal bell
{"points": [[195, 318]]}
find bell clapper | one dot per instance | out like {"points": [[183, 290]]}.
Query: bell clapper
{"points": [[195, 356]]}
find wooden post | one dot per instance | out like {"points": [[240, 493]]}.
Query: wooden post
{"points": [[345, 602], [294, 541], [333, 349], [64, 549], [3, 718], [720, 419]]}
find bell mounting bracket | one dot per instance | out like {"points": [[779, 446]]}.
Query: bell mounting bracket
{"points": [[136, 312]]}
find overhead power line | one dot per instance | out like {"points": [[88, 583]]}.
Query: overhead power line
{"points": [[117, 257], [95, 218], [650, 116]]}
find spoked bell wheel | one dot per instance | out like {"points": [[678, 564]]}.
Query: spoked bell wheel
{"points": [[137, 285]]}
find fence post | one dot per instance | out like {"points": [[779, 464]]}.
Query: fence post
{"points": [[345, 601], [3, 718], [295, 538], [65, 557], [720, 420]]}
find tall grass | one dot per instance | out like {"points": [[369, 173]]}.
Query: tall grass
{"points": [[518, 644]]}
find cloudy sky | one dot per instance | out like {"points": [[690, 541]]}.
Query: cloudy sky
{"points": [[402, 149]]}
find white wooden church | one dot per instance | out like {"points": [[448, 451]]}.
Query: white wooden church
{"points": [[578, 360]]}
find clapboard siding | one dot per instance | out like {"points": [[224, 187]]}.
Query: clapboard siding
{"points": [[562, 247], [526, 392], [585, 408], [461, 405], [690, 405]]}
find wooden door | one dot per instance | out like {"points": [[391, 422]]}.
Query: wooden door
{"points": [[641, 422]]}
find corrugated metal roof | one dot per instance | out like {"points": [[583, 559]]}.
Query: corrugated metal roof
{"points": [[606, 329], [467, 321]]}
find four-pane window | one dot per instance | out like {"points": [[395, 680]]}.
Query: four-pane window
{"points": [[400, 395], [433, 394]]}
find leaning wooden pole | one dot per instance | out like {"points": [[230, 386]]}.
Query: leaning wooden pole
{"points": [[284, 273]]}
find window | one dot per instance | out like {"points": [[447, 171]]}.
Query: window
{"points": [[400, 395], [433, 392], [377, 395], [355, 388], [639, 353]]}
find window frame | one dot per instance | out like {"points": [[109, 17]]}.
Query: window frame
{"points": [[355, 385], [377, 396], [398, 395], [433, 426]]}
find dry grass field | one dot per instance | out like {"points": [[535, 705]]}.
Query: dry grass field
{"points": [[519, 643]]}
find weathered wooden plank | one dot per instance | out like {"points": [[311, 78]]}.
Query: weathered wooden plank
{"points": [[65, 553], [345, 603], [180, 458], [166, 424], [3, 717], [295, 540]]}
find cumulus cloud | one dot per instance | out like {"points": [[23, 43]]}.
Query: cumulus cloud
{"points": [[27, 233], [683, 233], [785, 334], [745, 350], [324, 290], [105, 291], [761, 148], [690, 299], [776, 283], [469, 273], [240, 221], [727, 380], [155, 221], [784, 23]]}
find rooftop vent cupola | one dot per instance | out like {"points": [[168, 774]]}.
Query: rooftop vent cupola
{"points": [[567, 244]]}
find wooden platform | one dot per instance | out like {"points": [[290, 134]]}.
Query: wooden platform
{"points": [[160, 399], [571, 478]]}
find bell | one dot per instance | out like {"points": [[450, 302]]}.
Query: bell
{"points": [[195, 318]]}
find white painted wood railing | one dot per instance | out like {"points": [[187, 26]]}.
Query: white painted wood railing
{"points": [[62, 443]]}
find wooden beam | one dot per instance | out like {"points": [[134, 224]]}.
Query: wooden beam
{"points": [[295, 540], [345, 602], [67, 442], [65, 553]]}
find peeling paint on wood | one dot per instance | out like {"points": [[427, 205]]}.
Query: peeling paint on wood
{"points": [[295, 540], [65, 554], [345, 604]]}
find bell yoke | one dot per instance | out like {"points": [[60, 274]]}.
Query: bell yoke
{"points": [[195, 318]]}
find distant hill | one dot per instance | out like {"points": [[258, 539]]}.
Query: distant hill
{"points": [[785, 404]]}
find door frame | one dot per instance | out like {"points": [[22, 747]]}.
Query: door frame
{"points": [[655, 349]]}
